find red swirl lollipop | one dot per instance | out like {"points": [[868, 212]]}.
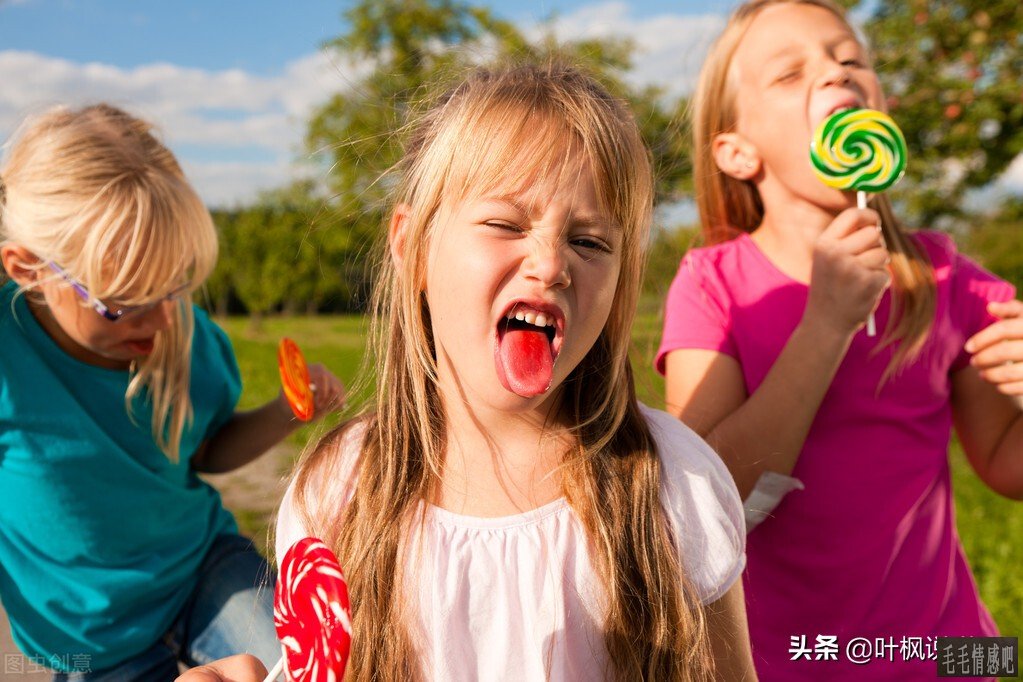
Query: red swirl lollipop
{"points": [[295, 379], [312, 614]]}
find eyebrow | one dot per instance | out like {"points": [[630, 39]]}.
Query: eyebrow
{"points": [[577, 221]]}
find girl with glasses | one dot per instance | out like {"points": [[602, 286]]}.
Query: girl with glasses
{"points": [[115, 558]]}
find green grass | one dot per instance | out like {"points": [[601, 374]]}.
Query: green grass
{"points": [[990, 526]]}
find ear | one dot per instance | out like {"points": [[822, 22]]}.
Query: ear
{"points": [[18, 262], [396, 233], [736, 156]]}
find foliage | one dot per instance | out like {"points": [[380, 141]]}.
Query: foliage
{"points": [[951, 71]]}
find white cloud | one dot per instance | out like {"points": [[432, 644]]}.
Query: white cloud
{"points": [[669, 48], [228, 114]]}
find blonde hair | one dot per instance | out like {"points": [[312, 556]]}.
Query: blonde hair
{"points": [[94, 191], [729, 206], [498, 129]]}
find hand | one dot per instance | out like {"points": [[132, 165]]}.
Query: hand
{"points": [[850, 270], [328, 391], [241, 668], [998, 349]]}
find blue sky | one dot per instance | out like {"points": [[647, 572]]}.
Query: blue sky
{"points": [[230, 84]]}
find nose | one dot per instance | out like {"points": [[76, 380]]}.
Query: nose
{"points": [[834, 73], [547, 264]]}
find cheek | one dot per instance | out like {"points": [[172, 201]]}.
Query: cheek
{"points": [[597, 289]]}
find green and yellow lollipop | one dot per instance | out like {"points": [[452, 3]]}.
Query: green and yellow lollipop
{"points": [[862, 150]]}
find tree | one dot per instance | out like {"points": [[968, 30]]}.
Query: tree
{"points": [[951, 70], [413, 45]]}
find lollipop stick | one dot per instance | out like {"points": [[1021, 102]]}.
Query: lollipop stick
{"points": [[276, 671], [861, 202]]}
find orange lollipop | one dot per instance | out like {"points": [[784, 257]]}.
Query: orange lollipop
{"points": [[295, 379]]}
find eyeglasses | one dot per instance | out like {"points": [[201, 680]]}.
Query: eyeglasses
{"points": [[120, 313]]}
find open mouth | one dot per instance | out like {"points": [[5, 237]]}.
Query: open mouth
{"points": [[529, 337]]}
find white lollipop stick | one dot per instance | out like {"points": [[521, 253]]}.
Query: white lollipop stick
{"points": [[861, 202], [275, 671]]}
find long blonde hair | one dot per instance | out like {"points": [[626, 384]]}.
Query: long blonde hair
{"points": [[729, 206], [94, 191], [504, 128]]}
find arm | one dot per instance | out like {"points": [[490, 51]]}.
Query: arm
{"points": [[729, 636], [766, 430], [247, 435], [987, 401]]}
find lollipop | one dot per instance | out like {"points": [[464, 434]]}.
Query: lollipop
{"points": [[295, 379], [859, 149], [312, 615]]}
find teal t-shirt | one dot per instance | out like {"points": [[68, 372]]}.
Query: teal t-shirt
{"points": [[101, 536]]}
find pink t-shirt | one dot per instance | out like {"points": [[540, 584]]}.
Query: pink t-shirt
{"points": [[869, 548]]}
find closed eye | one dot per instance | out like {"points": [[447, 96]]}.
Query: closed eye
{"points": [[590, 244], [788, 76], [504, 226]]}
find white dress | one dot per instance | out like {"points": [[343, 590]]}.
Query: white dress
{"points": [[516, 597]]}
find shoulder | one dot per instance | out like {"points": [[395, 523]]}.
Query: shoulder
{"points": [[702, 505], [327, 478]]}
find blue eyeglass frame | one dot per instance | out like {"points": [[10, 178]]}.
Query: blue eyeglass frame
{"points": [[115, 315]]}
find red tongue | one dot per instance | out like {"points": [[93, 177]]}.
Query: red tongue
{"points": [[526, 360]]}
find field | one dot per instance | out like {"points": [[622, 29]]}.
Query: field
{"points": [[991, 527]]}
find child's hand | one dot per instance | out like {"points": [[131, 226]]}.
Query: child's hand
{"points": [[241, 668], [998, 349], [850, 270], [328, 391]]}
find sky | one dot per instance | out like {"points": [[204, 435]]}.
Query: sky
{"points": [[230, 84]]}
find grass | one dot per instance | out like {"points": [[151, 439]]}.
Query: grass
{"points": [[990, 526]]}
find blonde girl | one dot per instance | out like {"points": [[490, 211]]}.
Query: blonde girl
{"points": [[765, 355], [507, 510], [116, 560]]}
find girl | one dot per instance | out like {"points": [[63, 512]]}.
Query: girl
{"points": [[116, 560], [508, 510], [765, 354]]}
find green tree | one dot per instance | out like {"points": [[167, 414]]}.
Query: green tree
{"points": [[413, 45], [951, 70]]}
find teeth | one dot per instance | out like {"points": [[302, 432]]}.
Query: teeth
{"points": [[531, 317]]}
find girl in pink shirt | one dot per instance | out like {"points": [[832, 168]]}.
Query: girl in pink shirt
{"points": [[765, 354], [507, 510]]}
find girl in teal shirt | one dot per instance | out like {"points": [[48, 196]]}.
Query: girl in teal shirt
{"points": [[116, 560]]}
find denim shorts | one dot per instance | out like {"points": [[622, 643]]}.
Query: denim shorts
{"points": [[230, 612]]}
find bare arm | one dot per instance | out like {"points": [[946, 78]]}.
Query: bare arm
{"points": [[987, 402], [729, 637], [247, 435], [766, 431]]}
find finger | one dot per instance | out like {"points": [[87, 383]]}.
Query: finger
{"points": [[1004, 330], [998, 354], [876, 258], [1014, 388], [1006, 309], [851, 220], [863, 239]]}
